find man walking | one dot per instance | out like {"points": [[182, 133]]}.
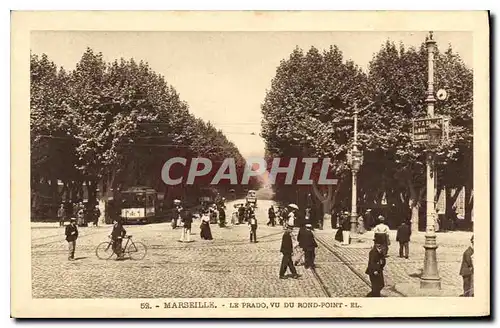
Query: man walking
{"points": [[287, 251], [403, 237], [253, 228], [71, 237], [97, 214], [272, 217], [186, 227], [308, 243], [467, 270], [61, 215], [375, 270]]}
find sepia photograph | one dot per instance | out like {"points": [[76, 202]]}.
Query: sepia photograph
{"points": [[253, 170]]}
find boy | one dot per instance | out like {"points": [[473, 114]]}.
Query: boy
{"points": [[71, 237]]}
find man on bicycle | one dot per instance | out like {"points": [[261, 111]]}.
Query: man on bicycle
{"points": [[117, 235]]}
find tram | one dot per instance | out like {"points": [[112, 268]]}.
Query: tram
{"points": [[139, 205]]}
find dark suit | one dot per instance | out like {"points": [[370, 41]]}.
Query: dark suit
{"points": [[253, 229], [117, 235], [375, 269], [403, 237], [308, 244], [71, 233], [287, 251], [467, 272]]}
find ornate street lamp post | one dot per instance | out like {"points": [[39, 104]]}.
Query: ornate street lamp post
{"points": [[355, 160], [430, 277]]}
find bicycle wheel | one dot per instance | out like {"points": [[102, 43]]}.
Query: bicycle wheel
{"points": [[136, 250], [104, 250]]}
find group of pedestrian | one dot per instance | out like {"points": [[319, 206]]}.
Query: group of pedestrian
{"points": [[82, 214], [305, 245]]}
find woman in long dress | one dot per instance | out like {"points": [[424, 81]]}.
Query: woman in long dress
{"points": [[205, 232]]}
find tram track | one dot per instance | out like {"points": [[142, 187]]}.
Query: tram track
{"points": [[60, 238], [347, 264]]}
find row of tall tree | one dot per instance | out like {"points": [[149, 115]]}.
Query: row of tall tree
{"points": [[309, 109], [105, 126]]}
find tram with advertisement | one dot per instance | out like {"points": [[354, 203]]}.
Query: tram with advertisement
{"points": [[139, 205]]}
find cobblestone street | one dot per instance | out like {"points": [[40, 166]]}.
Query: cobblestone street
{"points": [[228, 266]]}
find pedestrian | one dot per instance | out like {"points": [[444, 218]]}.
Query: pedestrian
{"points": [[361, 225], [61, 215], [117, 234], [308, 243], [241, 214], [375, 270], [308, 216], [176, 219], [81, 214], [97, 215], [403, 237], [205, 231], [71, 232], [333, 218], [187, 221], [252, 223], [381, 235], [291, 218], [368, 219], [467, 270], [346, 227], [272, 217], [222, 215], [287, 252]]}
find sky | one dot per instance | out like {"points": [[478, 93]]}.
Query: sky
{"points": [[223, 76]]}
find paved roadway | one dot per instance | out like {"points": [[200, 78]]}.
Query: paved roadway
{"points": [[228, 266]]}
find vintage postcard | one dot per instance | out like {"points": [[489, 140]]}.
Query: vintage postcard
{"points": [[250, 164]]}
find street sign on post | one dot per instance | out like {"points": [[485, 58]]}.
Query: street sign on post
{"points": [[421, 125]]}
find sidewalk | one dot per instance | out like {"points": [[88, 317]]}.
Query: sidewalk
{"points": [[449, 238], [403, 275]]}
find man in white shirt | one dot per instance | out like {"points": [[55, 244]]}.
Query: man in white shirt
{"points": [[381, 234]]}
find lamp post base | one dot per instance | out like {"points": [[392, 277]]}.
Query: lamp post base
{"points": [[430, 276]]}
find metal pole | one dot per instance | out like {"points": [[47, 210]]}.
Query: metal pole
{"points": [[430, 276], [354, 214]]}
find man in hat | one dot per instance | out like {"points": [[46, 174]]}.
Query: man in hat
{"points": [[308, 243], [287, 251], [117, 235], [381, 235], [252, 223], [71, 237], [291, 217], [187, 220], [272, 216], [403, 237], [467, 270], [346, 228], [375, 270], [61, 215]]}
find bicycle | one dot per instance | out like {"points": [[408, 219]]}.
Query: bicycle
{"points": [[135, 250]]}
